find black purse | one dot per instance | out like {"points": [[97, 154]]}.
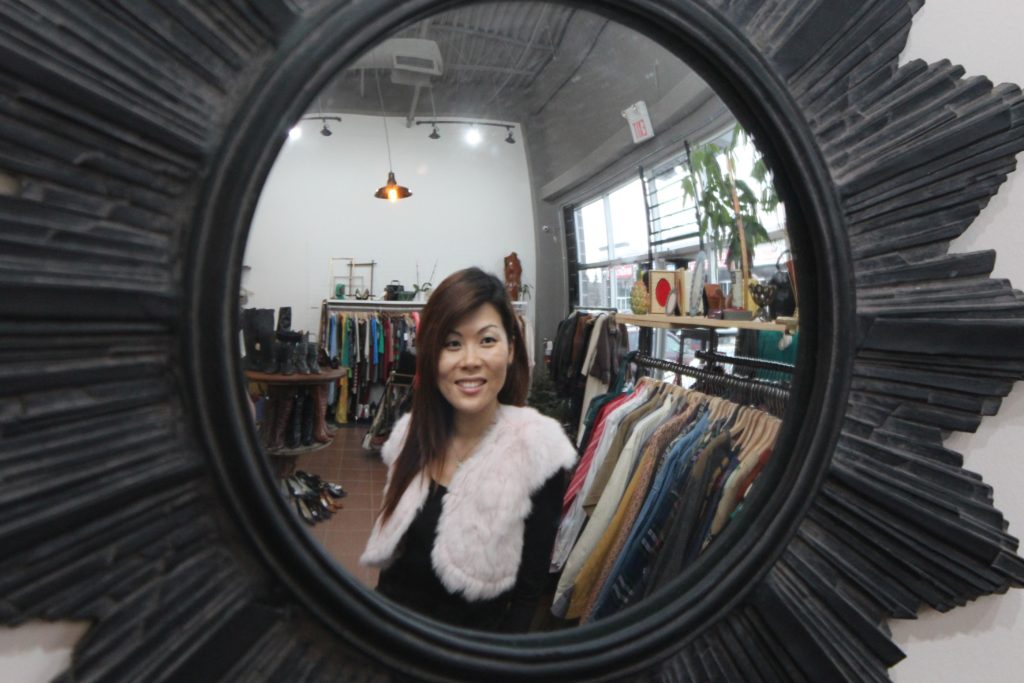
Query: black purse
{"points": [[784, 302], [392, 290]]}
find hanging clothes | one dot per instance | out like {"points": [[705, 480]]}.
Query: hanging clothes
{"points": [[608, 484], [663, 471], [367, 344], [573, 520]]}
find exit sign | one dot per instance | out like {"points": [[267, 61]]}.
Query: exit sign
{"points": [[639, 122]]}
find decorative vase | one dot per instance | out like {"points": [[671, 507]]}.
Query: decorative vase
{"points": [[639, 300], [737, 291], [762, 294]]}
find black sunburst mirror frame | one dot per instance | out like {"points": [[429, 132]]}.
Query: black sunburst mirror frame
{"points": [[136, 138]]}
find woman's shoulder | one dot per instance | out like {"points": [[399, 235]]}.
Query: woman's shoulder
{"points": [[393, 446], [539, 435], [526, 416]]}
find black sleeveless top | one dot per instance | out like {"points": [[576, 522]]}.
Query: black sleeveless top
{"points": [[410, 579]]}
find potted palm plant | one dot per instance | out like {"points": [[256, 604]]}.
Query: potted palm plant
{"points": [[728, 207]]}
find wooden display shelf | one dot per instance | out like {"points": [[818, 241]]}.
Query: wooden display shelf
{"points": [[676, 321], [298, 450], [326, 375]]}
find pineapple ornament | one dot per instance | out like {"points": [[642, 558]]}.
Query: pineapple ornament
{"points": [[639, 299]]}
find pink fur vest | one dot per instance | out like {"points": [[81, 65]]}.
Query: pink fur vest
{"points": [[480, 532]]}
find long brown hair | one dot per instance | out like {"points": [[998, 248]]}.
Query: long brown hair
{"points": [[430, 427]]}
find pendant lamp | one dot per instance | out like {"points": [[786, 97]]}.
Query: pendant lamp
{"points": [[391, 190]]}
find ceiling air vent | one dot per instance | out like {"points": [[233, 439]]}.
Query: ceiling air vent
{"points": [[424, 64], [404, 55]]}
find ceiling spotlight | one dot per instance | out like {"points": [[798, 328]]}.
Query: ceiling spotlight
{"points": [[509, 138], [434, 134], [473, 136], [325, 131], [295, 133]]}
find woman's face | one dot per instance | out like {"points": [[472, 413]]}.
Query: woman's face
{"points": [[474, 361]]}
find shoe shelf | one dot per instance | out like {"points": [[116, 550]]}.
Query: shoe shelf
{"points": [[323, 377], [284, 459], [298, 450]]}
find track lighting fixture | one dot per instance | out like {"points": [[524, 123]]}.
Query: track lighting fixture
{"points": [[474, 135], [435, 134], [325, 128]]}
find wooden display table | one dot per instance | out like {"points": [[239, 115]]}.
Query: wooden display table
{"points": [[284, 458], [325, 377]]}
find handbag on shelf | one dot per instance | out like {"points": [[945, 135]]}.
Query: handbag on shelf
{"points": [[784, 301], [391, 291]]}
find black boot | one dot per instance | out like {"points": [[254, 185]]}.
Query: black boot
{"points": [[284, 319], [272, 351], [249, 341], [288, 358], [263, 324], [308, 415], [312, 359], [294, 436], [284, 398], [301, 353]]}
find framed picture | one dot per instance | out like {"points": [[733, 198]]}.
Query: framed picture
{"points": [[663, 285]]}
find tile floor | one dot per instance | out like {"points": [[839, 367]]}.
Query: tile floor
{"points": [[362, 474]]}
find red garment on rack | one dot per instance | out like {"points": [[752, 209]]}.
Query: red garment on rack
{"points": [[583, 466]]}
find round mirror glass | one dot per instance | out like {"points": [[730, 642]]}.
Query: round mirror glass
{"points": [[639, 244]]}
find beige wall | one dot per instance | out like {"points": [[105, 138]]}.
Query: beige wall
{"points": [[982, 641]]}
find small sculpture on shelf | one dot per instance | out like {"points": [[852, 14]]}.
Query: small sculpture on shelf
{"points": [[421, 290], [763, 295], [639, 299], [513, 276]]}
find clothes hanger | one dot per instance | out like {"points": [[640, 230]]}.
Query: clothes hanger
{"points": [[755, 433], [743, 425]]}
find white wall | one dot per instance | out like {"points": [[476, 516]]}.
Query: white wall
{"points": [[38, 651], [471, 206], [983, 641]]}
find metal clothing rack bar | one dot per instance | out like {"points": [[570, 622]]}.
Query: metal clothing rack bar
{"points": [[746, 361], [772, 395], [595, 308], [400, 378], [369, 305]]}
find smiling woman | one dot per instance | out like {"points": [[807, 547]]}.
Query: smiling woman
{"points": [[139, 136], [475, 479]]}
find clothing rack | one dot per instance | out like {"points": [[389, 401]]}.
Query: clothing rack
{"points": [[388, 327], [386, 305], [745, 390], [746, 361], [373, 304], [397, 393]]}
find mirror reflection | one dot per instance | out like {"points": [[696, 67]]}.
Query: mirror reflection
{"points": [[518, 317]]}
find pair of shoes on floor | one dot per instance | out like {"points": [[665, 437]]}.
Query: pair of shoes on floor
{"points": [[315, 482], [315, 500]]}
